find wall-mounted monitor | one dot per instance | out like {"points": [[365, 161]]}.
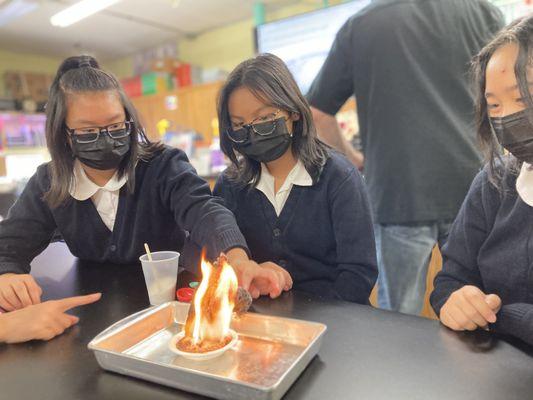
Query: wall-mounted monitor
{"points": [[303, 41]]}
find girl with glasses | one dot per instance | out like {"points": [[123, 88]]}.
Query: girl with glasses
{"points": [[108, 190], [302, 207]]}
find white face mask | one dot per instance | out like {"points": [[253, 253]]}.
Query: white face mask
{"points": [[524, 184]]}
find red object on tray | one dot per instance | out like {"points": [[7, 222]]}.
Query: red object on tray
{"points": [[185, 294]]}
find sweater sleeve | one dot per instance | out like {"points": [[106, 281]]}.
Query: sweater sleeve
{"points": [[354, 237], [28, 228], [223, 190], [209, 223], [468, 233], [516, 320]]}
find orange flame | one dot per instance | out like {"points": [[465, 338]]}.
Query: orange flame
{"points": [[212, 309]]}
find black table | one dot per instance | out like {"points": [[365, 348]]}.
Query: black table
{"points": [[366, 354]]}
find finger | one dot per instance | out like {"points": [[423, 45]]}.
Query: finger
{"points": [[254, 291], [59, 324], [448, 320], [11, 297], [48, 324], [288, 279], [46, 334], [473, 315], [65, 320], [34, 290], [58, 329], [494, 302], [73, 319], [464, 322], [273, 280], [22, 293], [246, 280], [6, 305], [71, 302], [276, 291], [281, 280], [476, 298]]}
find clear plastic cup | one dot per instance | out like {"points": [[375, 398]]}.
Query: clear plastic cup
{"points": [[160, 275]]}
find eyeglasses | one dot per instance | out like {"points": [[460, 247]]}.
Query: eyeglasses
{"points": [[262, 126], [91, 134]]}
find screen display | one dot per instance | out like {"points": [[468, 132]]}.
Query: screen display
{"points": [[303, 41]]}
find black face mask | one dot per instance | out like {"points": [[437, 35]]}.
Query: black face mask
{"points": [[268, 147], [105, 153], [515, 134]]}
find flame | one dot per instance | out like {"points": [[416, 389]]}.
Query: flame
{"points": [[210, 315]]}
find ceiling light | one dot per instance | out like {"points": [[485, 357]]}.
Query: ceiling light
{"points": [[15, 9], [79, 11]]}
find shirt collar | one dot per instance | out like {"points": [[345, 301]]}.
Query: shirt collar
{"points": [[298, 176], [83, 188], [524, 184]]}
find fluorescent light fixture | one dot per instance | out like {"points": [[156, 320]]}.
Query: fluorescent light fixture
{"points": [[79, 11], [15, 9]]}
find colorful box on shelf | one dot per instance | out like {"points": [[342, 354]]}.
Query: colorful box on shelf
{"points": [[167, 64], [183, 75], [132, 86], [156, 82]]}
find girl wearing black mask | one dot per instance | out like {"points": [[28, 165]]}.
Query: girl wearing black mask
{"points": [[486, 281], [302, 208], [108, 190]]}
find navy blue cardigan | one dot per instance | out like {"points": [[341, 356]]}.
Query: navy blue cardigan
{"points": [[323, 237], [490, 246], [169, 202]]}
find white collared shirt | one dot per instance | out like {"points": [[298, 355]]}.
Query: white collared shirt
{"points": [[524, 184], [105, 198], [298, 176]]}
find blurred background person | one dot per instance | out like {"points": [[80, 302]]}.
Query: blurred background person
{"points": [[407, 61]]}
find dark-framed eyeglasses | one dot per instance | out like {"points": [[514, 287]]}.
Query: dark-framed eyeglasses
{"points": [[262, 126], [91, 134]]}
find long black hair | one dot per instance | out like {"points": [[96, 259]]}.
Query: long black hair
{"points": [[76, 75], [519, 32], [269, 79]]}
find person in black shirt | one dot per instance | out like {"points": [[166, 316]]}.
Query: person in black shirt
{"points": [[406, 61], [108, 190]]}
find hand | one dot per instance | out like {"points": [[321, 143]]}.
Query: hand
{"points": [[285, 278], [18, 291], [42, 321], [260, 286], [469, 308], [252, 277], [257, 280]]}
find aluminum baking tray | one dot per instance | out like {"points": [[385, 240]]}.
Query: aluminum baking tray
{"points": [[270, 354]]}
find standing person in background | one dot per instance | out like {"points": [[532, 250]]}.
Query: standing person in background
{"points": [[406, 61]]}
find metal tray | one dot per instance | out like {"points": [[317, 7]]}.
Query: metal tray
{"points": [[270, 354]]}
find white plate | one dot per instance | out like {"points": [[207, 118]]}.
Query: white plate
{"points": [[201, 356]]}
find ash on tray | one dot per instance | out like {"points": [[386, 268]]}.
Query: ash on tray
{"points": [[186, 344]]}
